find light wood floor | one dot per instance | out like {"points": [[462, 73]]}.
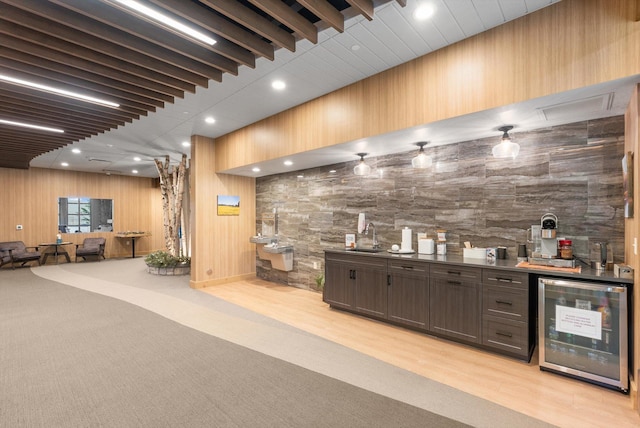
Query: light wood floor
{"points": [[511, 383]]}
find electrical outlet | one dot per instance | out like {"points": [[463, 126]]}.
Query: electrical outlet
{"points": [[18, 227]]}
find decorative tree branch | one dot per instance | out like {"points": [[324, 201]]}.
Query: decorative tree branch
{"points": [[172, 189]]}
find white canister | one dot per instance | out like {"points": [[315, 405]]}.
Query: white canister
{"points": [[441, 248], [426, 246]]}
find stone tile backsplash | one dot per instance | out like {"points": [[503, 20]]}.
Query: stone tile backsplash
{"points": [[573, 171]]}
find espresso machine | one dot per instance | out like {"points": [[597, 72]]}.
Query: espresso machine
{"points": [[548, 240]]}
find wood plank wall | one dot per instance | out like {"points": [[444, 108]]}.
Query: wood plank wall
{"points": [[569, 45], [632, 227], [30, 198], [221, 251]]}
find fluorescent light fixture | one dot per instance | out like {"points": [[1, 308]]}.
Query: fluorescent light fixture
{"points": [[58, 91], [278, 85], [28, 125], [166, 20]]}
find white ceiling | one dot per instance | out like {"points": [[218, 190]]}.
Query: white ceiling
{"points": [[392, 38]]}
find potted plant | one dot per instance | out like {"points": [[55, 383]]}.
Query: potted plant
{"points": [[320, 281], [164, 263]]}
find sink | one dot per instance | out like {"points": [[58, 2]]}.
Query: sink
{"points": [[367, 250]]}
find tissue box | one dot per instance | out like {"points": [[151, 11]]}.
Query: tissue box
{"points": [[474, 253]]}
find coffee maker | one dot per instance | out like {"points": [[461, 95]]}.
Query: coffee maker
{"points": [[548, 241]]}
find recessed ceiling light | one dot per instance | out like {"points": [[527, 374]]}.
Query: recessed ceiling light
{"points": [[76, 151], [64, 164], [278, 85], [423, 12], [137, 159], [186, 143], [333, 171], [288, 163], [57, 91], [135, 171], [210, 119], [256, 169], [28, 125]]}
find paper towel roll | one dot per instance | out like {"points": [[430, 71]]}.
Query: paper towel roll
{"points": [[406, 239], [361, 223]]}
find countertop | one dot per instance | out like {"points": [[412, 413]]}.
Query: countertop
{"points": [[506, 264]]}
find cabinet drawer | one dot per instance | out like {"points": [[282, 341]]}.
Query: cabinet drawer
{"points": [[408, 268], [512, 303], [357, 260], [504, 334], [465, 274], [505, 278]]}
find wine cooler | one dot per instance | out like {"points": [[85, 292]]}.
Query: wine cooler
{"points": [[583, 331]]}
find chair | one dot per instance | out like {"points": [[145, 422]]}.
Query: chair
{"points": [[91, 247], [16, 252]]}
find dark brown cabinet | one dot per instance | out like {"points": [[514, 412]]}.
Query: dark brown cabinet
{"points": [[454, 302], [356, 283], [489, 307], [506, 316], [408, 293]]}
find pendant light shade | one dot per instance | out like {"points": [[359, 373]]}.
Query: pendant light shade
{"points": [[362, 168], [421, 161], [506, 148]]}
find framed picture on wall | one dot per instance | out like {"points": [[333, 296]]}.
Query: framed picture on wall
{"points": [[228, 205], [627, 184]]}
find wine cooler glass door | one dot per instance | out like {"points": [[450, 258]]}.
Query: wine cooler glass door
{"points": [[583, 330]]}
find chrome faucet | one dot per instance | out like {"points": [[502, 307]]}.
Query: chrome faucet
{"points": [[375, 239]]}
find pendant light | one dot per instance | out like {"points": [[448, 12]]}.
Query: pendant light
{"points": [[421, 161], [506, 148], [362, 168]]}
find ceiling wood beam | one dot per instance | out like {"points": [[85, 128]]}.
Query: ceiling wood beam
{"points": [[323, 10], [102, 34], [245, 16], [289, 17], [166, 76], [66, 118], [116, 18], [219, 26], [85, 70], [365, 7]]}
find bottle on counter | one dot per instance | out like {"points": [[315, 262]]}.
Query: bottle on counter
{"points": [[565, 249]]}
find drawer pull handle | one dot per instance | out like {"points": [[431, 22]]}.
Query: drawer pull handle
{"points": [[407, 267], [504, 279], [454, 282], [504, 302], [453, 272], [504, 333]]}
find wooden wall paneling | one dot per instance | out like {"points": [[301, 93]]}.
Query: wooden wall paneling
{"points": [[30, 198], [565, 46], [632, 232], [221, 251]]}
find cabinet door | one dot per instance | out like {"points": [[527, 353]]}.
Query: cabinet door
{"points": [[371, 291], [454, 308], [338, 285], [408, 294]]}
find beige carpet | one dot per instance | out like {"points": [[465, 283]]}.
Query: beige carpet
{"points": [[172, 298]]}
